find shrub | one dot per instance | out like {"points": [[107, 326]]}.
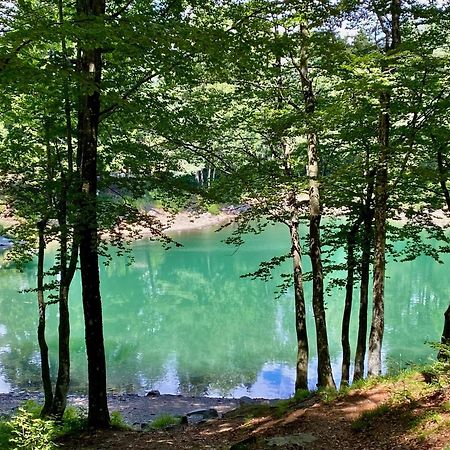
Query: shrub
{"points": [[29, 432], [5, 434], [117, 421], [73, 421], [213, 209], [164, 421]]}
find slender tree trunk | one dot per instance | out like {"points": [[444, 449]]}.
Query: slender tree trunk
{"points": [[325, 375], [366, 241], [381, 197], [43, 348], [66, 273], [345, 339], [443, 177], [301, 380], [445, 338], [88, 122]]}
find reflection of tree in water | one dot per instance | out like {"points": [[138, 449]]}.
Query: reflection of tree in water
{"points": [[417, 297], [19, 352], [220, 329], [21, 367], [187, 314]]}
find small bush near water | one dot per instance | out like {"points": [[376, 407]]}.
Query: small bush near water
{"points": [[27, 430], [164, 420]]}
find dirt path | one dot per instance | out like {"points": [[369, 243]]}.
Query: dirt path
{"points": [[411, 418]]}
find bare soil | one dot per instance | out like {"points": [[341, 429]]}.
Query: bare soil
{"points": [[415, 416]]}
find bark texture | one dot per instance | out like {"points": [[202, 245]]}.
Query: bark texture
{"points": [[445, 338], [67, 271], [381, 197], [325, 375], [43, 348], [366, 243], [67, 262], [301, 380], [88, 121], [345, 331]]}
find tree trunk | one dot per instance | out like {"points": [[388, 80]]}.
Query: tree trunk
{"points": [[325, 375], [443, 354], [345, 340], [67, 271], [301, 380], [360, 353], [445, 338], [443, 177], [381, 197], [88, 121], [43, 348]]}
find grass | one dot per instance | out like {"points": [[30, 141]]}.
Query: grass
{"points": [[164, 421], [213, 209], [365, 383], [118, 422]]}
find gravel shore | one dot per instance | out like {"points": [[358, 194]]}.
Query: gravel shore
{"points": [[136, 410]]}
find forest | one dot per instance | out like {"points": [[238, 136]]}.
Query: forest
{"points": [[325, 120]]}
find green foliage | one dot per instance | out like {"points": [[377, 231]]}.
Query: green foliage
{"points": [[164, 421], [365, 383], [29, 432], [213, 209], [118, 422], [73, 422], [329, 395], [301, 394], [5, 434]]}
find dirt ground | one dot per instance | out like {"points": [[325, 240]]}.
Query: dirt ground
{"points": [[402, 415]]}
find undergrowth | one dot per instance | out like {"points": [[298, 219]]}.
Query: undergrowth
{"points": [[28, 431], [164, 421]]}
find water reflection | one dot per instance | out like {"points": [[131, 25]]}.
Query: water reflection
{"points": [[182, 321]]}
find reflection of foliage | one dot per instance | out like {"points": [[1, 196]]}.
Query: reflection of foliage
{"points": [[188, 314]]}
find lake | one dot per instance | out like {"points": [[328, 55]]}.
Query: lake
{"points": [[183, 321]]}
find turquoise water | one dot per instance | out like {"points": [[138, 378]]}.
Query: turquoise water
{"points": [[183, 321]]}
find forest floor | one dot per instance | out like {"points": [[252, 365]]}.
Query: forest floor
{"points": [[401, 413]]}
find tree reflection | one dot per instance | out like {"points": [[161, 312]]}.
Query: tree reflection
{"points": [[183, 321]]}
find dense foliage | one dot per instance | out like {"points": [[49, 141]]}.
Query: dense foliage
{"points": [[294, 109]]}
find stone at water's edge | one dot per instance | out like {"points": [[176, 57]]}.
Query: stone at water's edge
{"points": [[153, 393], [199, 415], [246, 400]]}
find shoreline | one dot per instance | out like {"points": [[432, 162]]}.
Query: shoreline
{"points": [[138, 411], [181, 222], [185, 221]]}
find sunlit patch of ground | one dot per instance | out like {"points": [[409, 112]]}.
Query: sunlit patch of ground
{"points": [[406, 413]]}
